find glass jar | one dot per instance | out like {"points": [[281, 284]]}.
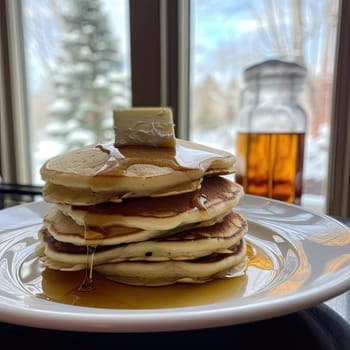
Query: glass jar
{"points": [[271, 131]]}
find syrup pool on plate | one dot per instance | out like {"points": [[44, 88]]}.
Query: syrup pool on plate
{"points": [[63, 287]]}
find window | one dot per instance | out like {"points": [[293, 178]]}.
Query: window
{"points": [[161, 62], [76, 69]]}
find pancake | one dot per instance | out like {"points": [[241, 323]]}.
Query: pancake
{"points": [[192, 256], [102, 172], [84, 196], [216, 197], [66, 230], [185, 245], [143, 209], [140, 273]]}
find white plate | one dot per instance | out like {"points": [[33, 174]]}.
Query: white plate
{"points": [[310, 253]]}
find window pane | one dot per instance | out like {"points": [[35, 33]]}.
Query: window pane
{"points": [[77, 72], [229, 36]]}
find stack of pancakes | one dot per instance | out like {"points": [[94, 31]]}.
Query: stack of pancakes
{"points": [[143, 215]]}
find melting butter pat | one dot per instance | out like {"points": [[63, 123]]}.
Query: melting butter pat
{"points": [[144, 126]]}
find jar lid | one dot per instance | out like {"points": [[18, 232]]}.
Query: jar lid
{"points": [[275, 69]]}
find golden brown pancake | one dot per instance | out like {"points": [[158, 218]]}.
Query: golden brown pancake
{"points": [[217, 265], [216, 197], [66, 230], [185, 245], [100, 173], [195, 255]]}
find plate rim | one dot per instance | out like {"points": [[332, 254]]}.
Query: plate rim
{"points": [[76, 318]]}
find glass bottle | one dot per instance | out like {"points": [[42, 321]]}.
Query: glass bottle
{"points": [[271, 131]]}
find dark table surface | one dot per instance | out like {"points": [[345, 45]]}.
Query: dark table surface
{"points": [[315, 328]]}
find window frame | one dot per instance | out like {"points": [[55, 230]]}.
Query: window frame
{"points": [[159, 42], [15, 165], [160, 57], [338, 189]]}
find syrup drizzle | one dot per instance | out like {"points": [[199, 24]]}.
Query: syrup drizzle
{"points": [[199, 200], [88, 282], [120, 159], [185, 156], [115, 157]]}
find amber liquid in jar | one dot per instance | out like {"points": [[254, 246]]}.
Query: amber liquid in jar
{"points": [[271, 164]]}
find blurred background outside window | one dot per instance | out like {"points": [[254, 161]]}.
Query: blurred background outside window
{"points": [[229, 36], [77, 71]]}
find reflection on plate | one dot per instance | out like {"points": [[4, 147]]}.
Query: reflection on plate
{"points": [[298, 259]]}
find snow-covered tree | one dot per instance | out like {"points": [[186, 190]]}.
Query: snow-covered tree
{"points": [[88, 78]]}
